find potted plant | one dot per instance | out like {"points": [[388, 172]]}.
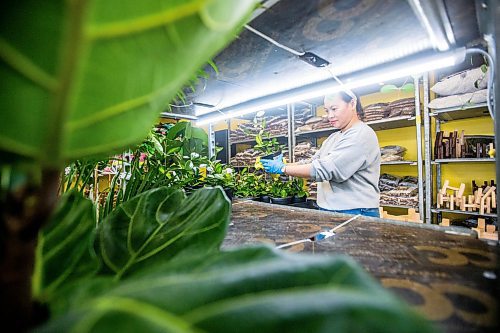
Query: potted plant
{"points": [[281, 192], [300, 193], [247, 185]]}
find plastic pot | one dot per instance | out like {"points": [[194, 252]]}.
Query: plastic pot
{"points": [[229, 193], [281, 201], [271, 156], [299, 199], [265, 198]]}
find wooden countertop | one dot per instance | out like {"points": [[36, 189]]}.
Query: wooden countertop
{"points": [[448, 277]]}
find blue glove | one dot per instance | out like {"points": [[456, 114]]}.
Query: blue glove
{"points": [[274, 165]]}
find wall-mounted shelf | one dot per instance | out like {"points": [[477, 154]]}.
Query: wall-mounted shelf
{"points": [[462, 112], [442, 210]]}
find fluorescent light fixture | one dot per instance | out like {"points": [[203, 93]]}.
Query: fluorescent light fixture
{"points": [[374, 76], [434, 19]]}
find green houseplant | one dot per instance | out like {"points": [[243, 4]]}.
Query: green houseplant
{"points": [[90, 84]]}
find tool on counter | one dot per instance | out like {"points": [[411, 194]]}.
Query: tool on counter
{"points": [[319, 236]]}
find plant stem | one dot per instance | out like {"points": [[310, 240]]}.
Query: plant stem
{"points": [[23, 214]]}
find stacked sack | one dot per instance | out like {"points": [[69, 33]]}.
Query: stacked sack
{"points": [[398, 191], [392, 153], [304, 151], [277, 125], [313, 189], [402, 107], [310, 124], [376, 111], [245, 131], [301, 116], [460, 89], [248, 157], [245, 158]]}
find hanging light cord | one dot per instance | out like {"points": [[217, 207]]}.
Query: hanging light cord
{"points": [[491, 75], [329, 68]]}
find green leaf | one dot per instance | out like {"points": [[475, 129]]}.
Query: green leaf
{"points": [[388, 88], [178, 129], [161, 223], [408, 87], [65, 246], [484, 68], [255, 289], [96, 74]]}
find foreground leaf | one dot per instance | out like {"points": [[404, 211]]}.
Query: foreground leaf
{"points": [[247, 290], [96, 74], [65, 246], [159, 224]]}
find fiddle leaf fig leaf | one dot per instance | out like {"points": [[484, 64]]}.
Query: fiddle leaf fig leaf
{"points": [[65, 246], [160, 224], [255, 289], [96, 74]]}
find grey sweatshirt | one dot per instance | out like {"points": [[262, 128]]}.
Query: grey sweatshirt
{"points": [[347, 169]]}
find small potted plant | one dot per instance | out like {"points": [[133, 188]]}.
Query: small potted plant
{"points": [[247, 185], [281, 192], [300, 193]]}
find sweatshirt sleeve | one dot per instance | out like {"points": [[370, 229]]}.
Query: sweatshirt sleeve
{"points": [[338, 166]]}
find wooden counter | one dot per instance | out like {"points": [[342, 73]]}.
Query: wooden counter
{"points": [[452, 279]]}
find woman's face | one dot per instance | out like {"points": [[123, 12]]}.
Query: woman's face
{"points": [[340, 113]]}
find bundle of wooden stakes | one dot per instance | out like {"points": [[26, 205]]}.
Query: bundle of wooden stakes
{"points": [[454, 145], [483, 200]]}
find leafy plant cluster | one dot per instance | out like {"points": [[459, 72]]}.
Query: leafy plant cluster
{"points": [[174, 156], [257, 184]]}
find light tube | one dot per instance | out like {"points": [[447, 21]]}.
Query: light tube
{"points": [[381, 75]]}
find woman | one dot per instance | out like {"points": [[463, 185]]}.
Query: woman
{"points": [[347, 167]]}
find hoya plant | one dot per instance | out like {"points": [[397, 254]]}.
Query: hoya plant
{"points": [[87, 79]]}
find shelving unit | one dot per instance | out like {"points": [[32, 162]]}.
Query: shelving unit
{"points": [[378, 125], [441, 116]]}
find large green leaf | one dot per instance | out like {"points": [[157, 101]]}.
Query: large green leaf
{"points": [[87, 77], [161, 223], [246, 290], [65, 249]]}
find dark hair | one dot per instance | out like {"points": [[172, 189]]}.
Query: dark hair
{"points": [[348, 98]]}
